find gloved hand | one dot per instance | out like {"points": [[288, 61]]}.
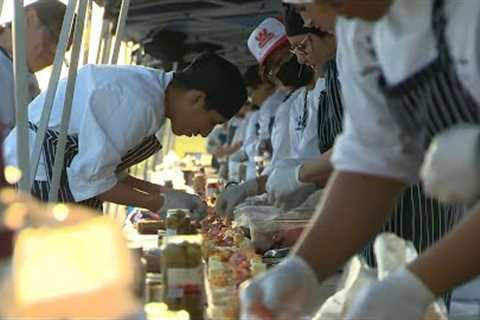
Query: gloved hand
{"points": [[288, 291], [400, 296], [284, 179], [451, 169], [181, 200], [235, 195]]}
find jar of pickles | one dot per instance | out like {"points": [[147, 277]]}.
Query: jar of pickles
{"points": [[178, 223], [153, 287], [182, 270]]}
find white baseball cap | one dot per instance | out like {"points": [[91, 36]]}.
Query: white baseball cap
{"points": [[267, 37]]}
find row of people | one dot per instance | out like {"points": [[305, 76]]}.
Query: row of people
{"points": [[407, 71]]}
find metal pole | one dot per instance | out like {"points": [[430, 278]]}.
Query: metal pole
{"points": [[72, 77], [20, 76], [122, 20], [101, 42], [52, 86], [107, 44], [87, 33]]}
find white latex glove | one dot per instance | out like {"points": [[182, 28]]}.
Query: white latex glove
{"points": [[181, 200], [451, 169], [400, 296], [235, 195], [284, 179], [288, 291]]}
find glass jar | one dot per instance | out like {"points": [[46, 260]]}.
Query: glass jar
{"points": [[182, 270], [153, 287]]}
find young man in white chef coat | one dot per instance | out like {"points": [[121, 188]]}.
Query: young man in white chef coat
{"points": [[116, 113], [395, 103]]}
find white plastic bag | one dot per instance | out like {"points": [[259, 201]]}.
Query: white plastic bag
{"points": [[391, 253]]}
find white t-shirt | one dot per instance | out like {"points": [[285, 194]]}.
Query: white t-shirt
{"points": [[404, 43], [114, 108]]}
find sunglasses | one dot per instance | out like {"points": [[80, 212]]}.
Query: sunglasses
{"points": [[300, 48]]}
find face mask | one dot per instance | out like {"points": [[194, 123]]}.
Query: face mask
{"points": [[293, 74]]}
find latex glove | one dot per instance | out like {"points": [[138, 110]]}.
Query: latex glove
{"points": [[288, 291], [235, 195], [284, 179], [181, 200], [400, 296], [451, 169]]}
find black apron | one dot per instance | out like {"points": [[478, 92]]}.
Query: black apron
{"points": [[330, 109], [40, 189], [431, 100]]}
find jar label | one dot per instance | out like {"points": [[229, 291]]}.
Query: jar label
{"points": [[184, 277]]}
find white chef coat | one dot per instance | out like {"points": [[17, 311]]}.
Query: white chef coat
{"points": [[304, 138], [251, 142], [114, 108], [7, 92], [267, 112], [404, 43], [280, 133], [239, 136]]}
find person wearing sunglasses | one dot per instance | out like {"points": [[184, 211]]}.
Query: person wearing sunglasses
{"points": [[44, 20], [278, 67], [311, 149]]}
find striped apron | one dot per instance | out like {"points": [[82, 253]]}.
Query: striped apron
{"points": [[330, 111], [40, 189], [301, 121], [431, 100]]}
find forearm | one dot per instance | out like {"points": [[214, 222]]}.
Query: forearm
{"points": [[317, 171], [125, 193], [353, 209], [143, 185], [453, 260], [232, 149]]}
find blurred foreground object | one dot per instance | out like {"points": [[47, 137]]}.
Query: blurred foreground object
{"points": [[451, 169], [67, 263]]}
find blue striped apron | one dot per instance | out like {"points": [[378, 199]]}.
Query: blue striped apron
{"points": [[40, 189], [330, 110], [431, 100]]}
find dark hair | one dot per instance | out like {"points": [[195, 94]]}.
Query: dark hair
{"points": [[252, 77], [50, 13], [219, 79], [294, 24]]}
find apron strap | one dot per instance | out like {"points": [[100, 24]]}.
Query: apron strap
{"points": [[144, 150]]}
